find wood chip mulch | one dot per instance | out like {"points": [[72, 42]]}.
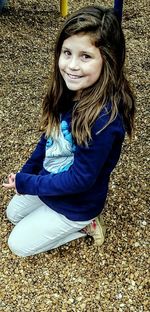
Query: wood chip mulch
{"points": [[78, 276]]}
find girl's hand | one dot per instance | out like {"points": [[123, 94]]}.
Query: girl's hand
{"points": [[11, 182]]}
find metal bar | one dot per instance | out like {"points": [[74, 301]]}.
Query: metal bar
{"points": [[118, 6], [64, 7]]}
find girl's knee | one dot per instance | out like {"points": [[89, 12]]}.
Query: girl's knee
{"points": [[16, 247], [10, 214], [11, 211]]}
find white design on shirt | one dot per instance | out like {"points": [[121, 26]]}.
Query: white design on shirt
{"points": [[59, 154]]}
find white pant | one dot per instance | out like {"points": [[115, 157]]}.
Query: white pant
{"points": [[38, 228]]}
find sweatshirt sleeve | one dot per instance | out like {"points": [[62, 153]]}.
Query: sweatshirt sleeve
{"points": [[88, 163], [35, 163]]}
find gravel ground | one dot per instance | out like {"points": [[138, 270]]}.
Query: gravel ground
{"points": [[78, 276]]}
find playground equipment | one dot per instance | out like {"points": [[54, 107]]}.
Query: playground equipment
{"points": [[64, 7], [2, 4], [118, 6]]}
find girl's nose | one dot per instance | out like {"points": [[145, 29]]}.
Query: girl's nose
{"points": [[73, 63]]}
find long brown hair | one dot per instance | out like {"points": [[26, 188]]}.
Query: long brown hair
{"points": [[105, 30]]}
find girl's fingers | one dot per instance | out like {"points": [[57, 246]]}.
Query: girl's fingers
{"points": [[11, 181], [10, 175], [8, 185]]}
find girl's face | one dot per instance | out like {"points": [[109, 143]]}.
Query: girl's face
{"points": [[80, 62]]}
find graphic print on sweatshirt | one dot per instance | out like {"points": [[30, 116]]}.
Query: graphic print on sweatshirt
{"points": [[60, 151]]}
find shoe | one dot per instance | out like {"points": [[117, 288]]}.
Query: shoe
{"points": [[97, 230]]}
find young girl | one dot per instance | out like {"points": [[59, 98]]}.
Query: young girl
{"points": [[86, 112]]}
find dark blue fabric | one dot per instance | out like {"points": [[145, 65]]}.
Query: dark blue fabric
{"points": [[80, 192], [118, 7]]}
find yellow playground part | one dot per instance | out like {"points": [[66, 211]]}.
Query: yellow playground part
{"points": [[118, 6], [64, 7]]}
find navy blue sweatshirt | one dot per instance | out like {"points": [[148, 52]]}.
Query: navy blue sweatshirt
{"points": [[71, 179]]}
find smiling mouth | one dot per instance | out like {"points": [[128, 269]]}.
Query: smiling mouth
{"points": [[74, 76]]}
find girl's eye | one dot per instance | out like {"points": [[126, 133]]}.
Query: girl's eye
{"points": [[67, 52], [86, 56]]}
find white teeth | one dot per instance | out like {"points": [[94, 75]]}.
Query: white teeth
{"points": [[74, 76]]}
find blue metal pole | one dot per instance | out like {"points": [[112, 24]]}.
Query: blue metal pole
{"points": [[2, 4], [118, 6]]}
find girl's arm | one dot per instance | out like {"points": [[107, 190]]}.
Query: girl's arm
{"points": [[88, 164], [35, 162]]}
